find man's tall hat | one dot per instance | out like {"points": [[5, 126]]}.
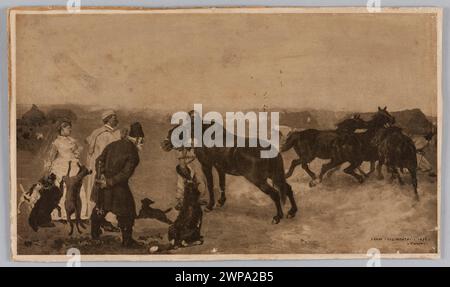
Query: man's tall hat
{"points": [[136, 130]]}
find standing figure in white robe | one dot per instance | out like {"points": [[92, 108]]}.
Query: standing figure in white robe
{"points": [[97, 141]]}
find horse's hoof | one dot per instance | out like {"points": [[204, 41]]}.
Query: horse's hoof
{"points": [[291, 214], [276, 219], [221, 202], [312, 183], [209, 208]]}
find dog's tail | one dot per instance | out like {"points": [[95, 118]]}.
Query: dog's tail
{"points": [[167, 210], [23, 189]]}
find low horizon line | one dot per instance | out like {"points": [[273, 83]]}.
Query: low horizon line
{"points": [[99, 107]]}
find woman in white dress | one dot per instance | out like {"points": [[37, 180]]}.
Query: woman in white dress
{"points": [[64, 149]]}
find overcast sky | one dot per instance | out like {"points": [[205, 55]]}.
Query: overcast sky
{"points": [[352, 62]]}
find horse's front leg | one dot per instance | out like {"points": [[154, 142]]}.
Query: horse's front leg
{"points": [[222, 198], [207, 171], [326, 167], [313, 181], [294, 164], [372, 167], [351, 170]]}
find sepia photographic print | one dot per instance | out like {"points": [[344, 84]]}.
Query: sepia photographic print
{"points": [[224, 133]]}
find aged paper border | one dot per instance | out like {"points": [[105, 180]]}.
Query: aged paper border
{"points": [[11, 25]]}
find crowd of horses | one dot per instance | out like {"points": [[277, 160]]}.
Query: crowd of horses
{"points": [[381, 142]]}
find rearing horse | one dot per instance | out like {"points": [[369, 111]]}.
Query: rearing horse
{"points": [[246, 162]]}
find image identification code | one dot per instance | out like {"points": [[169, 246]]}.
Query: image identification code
{"points": [[225, 276]]}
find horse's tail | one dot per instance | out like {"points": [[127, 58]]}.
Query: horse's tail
{"points": [[290, 141]]}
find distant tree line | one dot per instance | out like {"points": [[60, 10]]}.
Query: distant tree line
{"points": [[34, 125]]}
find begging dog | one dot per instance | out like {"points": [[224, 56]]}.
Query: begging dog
{"points": [[30, 197], [185, 230], [149, 212], [72, 203], [50, 195]]}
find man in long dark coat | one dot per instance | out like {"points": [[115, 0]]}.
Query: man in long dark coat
{"points": [[115, 166]]}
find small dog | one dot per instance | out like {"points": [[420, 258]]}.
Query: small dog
{"points": [[72, 203], [50, 195], [185, 231], [30, 197], [149, 212]]}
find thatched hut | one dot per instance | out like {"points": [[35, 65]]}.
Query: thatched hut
{"points": [[33, 117]]}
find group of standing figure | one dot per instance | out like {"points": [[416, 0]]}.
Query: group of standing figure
{"points": [[65, 149], [112, 156]]}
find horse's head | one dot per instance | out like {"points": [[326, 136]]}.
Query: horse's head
{"points": [[166, 144], [351, 124], [382, 118]]}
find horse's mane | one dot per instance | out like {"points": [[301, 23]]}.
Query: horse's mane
{"points": [[343, 124]]}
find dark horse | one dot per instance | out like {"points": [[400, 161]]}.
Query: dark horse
{"points": [[243, 161], [340, 146], [397, 150], [389, 146], [374, 127]]}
